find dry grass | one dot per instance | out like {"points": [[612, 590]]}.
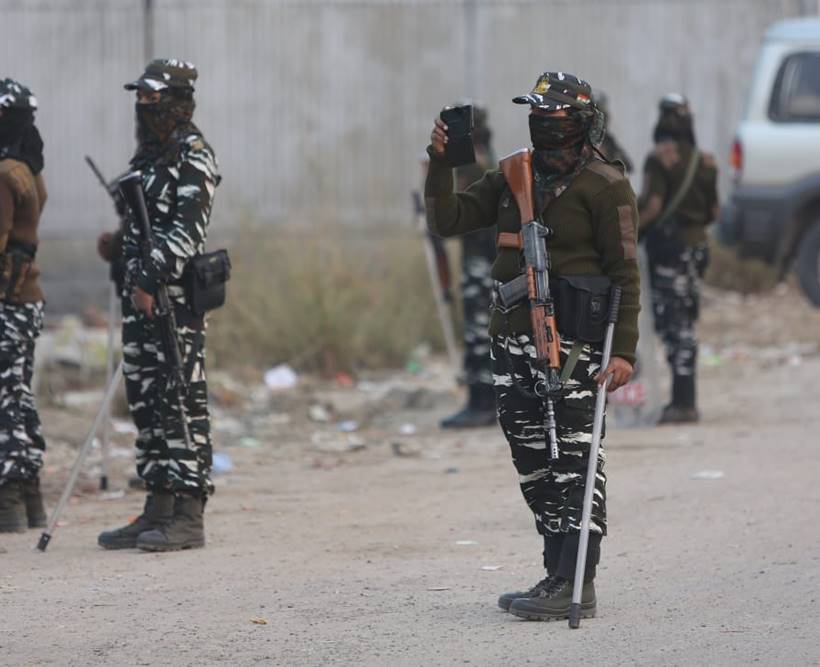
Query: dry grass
{"points": [[728, 272], [323, 301]]}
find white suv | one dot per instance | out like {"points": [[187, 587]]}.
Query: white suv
{"points": [[774, 210]]}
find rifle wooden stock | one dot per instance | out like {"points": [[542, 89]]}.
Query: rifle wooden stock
{"points": [[509, 240], [517, 169], [544, 328]]}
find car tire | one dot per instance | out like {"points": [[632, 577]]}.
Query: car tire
{"points": [[807, 265]]}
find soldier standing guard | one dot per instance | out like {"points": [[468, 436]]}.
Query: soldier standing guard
{"points": [[477, 256], [22, 196], [591, 209], [179, 176], [678, 201]]}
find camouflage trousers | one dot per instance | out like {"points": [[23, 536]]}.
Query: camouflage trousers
{"points": [[164, 462], [553, 489], [476, 294], [21, 437], [676, 303]]}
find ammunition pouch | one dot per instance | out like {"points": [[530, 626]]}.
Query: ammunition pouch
{"points": [[204, 281], [581, 304], [15, 265], [663, 244]]}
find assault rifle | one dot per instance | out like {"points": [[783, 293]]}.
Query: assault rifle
{"points": [[111, 188], [130, 186], [517, 169]]}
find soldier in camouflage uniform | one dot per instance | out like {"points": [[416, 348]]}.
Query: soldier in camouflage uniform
{"points": [[477, 255], [678, 200], [179, 176], [22, 197], [591, 209]]}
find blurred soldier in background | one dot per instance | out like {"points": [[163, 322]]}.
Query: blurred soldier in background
{"points": [[22, 196], [610, 148], [477, 256], [590, 207], [678, 201], [179, 175]]}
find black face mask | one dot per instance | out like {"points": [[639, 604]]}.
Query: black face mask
{"points": [[550, 133], [153, 124], [20, 139], [157, 122], [674, 127]]}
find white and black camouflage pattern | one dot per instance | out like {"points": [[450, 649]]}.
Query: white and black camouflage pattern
{"points": [[179, 195], [476, 295], [21, 438], [674, 277], [553, 489]]}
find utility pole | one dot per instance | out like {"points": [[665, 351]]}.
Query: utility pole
{"points": [[471, 50], [148, 29]]}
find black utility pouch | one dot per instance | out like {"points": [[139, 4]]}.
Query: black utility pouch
{"points": [[205, 278], [581, 305]]}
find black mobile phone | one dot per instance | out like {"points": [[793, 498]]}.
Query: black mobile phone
{"points": [[459, 149]]}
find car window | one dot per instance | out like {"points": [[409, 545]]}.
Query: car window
{"points": [[796, 94]]}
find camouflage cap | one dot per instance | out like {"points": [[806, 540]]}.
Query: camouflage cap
{"points": [[14, 95], [164, 74], [558, 90]]}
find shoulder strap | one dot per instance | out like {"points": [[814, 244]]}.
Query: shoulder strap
{"points": [[683, 190]]}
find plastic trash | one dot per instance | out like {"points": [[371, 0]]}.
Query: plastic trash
{"points": [[318, 413], [221, 463], [281, 377]]}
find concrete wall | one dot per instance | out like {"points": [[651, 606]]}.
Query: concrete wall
{"points": [[320, 109]]}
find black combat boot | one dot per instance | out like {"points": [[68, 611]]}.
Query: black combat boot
{"points": [[553, 602], [159, 508], [682, 409], [552, 558], [479, 411], [35, 511], [12, 507], [184, 531]]}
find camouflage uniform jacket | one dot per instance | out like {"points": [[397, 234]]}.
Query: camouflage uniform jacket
{"points": [[595, 225], [179, 190], [664, 172]]}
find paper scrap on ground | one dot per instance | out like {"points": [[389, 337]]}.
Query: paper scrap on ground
{"points": [[707, 474]]}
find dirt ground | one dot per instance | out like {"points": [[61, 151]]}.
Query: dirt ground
{"points": [[388, 544]]}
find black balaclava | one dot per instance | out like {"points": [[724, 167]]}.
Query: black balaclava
{"points": [[159, 123], [562, 146], [20, 139], [674, 125]]}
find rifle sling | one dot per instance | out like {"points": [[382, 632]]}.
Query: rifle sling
{"points": [[572, 360], [683, 190]]}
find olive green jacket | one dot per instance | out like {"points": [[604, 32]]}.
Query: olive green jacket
{"points": [[595, 225], [664, 174]]}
